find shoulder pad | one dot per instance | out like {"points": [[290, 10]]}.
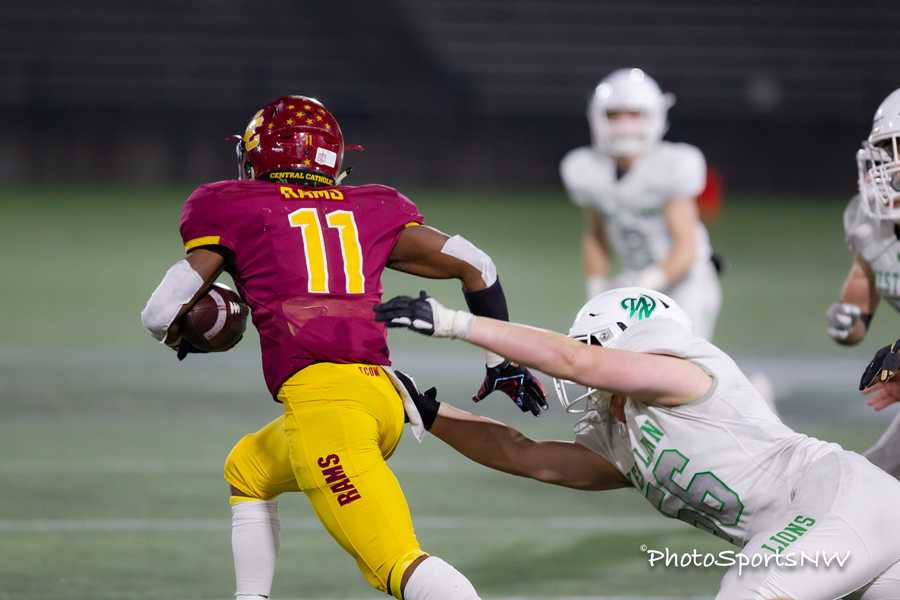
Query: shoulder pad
{"points": [[575, 162], [861, 231], [685, 169], [223, 185], [384, 196], [583, 170]]}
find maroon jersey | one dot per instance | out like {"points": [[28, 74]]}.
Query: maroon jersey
{"points": [[308, 261]]}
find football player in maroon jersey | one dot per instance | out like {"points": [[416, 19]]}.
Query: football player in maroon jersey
{"points": [[307, 255]]}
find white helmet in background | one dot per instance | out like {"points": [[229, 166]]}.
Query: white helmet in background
{"points": [[628, 90], [604, 318], [879, 169]]}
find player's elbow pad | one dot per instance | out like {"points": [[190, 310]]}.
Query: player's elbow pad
{"points": [[462, 249], [180, 283]]}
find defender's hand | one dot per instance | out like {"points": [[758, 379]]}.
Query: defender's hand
{"points": [[426, 402], [885, 394], [841, 318], [424, 315], [883, 366], [518, 383]]}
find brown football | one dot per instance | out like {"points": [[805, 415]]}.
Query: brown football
{"points": [[217, 321]]}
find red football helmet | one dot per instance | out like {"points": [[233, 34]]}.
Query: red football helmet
{"points": [[293, 139]]}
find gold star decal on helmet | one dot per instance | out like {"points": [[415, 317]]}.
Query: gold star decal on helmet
{"points": [[271, 125], [318, 117], [307, 107], [327, 125], [322, 111], [300, 114], [290, 121], [309, 121], [290, 107], [306, 162]]}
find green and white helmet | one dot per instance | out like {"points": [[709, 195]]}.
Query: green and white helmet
{"points": [[603, 319]]}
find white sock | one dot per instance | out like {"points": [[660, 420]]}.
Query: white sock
{"points": [[254, 545], [435, 579]]}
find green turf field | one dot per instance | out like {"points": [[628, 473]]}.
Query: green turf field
{"points": [[111, 451]]}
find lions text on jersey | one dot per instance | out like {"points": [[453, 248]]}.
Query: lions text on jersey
{"points": [[726, 464]]}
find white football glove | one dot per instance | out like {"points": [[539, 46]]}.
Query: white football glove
{"points": [[595, 285], [841, 318]]}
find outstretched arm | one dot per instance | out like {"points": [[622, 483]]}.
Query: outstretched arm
{"points": [[651, 378], [500, 447], [503, 448]]}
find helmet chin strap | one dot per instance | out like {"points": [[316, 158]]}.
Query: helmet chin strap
{"points": [[343, 175]]}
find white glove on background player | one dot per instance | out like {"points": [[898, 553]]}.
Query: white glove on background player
{"points": [[841, 318], [652, 277], [595, 285]]}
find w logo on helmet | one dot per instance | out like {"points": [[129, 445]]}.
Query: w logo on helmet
{"points": [[641, 307]]}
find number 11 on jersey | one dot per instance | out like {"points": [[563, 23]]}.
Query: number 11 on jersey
{"points": [[307, 219]]}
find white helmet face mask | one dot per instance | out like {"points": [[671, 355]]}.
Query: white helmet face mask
{"points": [[603, 319], [878, 163], [631, 92]]}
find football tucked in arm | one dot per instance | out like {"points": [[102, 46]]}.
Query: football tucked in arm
{"points": [[217, 321]]}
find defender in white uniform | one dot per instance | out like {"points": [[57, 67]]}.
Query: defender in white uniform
{"points": [[672, 416], [639, 199], [872, 230]]}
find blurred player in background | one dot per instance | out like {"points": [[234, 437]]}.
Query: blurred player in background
{"points": [[872, 230], [307, 255], [670, 415], [640, 199], [639, 196]]}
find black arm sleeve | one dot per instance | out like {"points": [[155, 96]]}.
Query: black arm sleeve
{"points": [[489, 302]]}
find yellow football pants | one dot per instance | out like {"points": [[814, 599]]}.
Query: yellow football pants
{"points": [[340, 424]]}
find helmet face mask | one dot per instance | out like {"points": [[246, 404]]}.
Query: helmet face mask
{"points": [[575, 397], [628, 113], [879, 179], [878, 163], [293, 139]]}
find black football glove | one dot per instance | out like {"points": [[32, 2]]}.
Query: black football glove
{"points": [[185, 347], [882, 367], [426, 402], [406, 311], [518, 383]]}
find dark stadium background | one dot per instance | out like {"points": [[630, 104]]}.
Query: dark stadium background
{"points": [[110, 112]]}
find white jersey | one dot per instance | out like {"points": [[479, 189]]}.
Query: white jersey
{"points": [[724, 463], [633, 207], [876, 242]]}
